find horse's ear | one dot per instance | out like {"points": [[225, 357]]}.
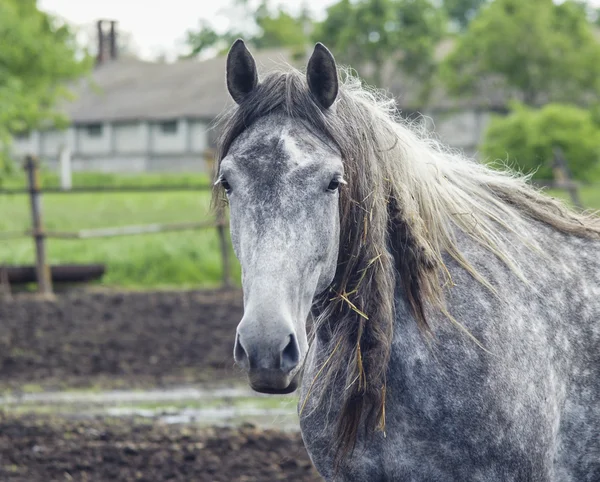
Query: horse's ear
{"points": [[242, 77], [322, 76]]}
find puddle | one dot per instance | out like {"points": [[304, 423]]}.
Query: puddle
{"points": [[183, 405], [116, 396]]}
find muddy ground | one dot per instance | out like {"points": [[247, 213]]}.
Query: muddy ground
{"points": [[49, 449], [130, 340], [103, 338]]}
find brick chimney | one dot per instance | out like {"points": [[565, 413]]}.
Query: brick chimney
{"points": [[107, 42]]}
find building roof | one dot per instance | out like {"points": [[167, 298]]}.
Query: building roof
{"points": [[131, 90]]}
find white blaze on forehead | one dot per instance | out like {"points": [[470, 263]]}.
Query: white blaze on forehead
{"points": [[297, 155], [280, 140]]}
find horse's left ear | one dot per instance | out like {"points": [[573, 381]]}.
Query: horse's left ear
{"points": [[242, 77], [322, 76]]}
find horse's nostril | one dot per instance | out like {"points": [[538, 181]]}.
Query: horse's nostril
{"points": [[239, 354], [265, 353], [290, 357]]}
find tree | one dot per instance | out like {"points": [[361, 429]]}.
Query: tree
{"points": [[592, 13], [595, 16], [281, 29], [266, 28], [462, 11], [38, 58], [205, 38], [527, 137], [535, 51], [373, 32]]}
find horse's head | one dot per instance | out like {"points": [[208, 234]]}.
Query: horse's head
{"points": [[282, 181]]}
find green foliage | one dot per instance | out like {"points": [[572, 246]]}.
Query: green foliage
{"points": [[526, 137], [364, 34], [204, 38], [536, 51], [37, 59], [186, 258], [267, 28], [371, 32], [592, 12], [462, 11], [280, 29]]}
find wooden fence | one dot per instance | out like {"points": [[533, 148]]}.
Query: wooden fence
{"points": [[561, 180], [40, 235]]}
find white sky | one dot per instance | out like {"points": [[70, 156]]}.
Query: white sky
{"points": [[159, 27]]}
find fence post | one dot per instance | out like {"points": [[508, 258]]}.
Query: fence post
{"points": [[4, 283], [562, 177], [42, 269], [65, 168]]}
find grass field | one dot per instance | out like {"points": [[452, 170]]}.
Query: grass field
{"points": [[590, 196], [182, 259]]}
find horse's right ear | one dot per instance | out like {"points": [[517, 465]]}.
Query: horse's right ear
{"points": [[242, 77]]}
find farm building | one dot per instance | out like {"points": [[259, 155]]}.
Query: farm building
{"points": [[137, 116]]}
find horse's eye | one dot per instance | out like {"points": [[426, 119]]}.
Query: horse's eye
{"points": [[333, 185], [226, 185]]}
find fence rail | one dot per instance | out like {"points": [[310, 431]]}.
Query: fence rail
{"points": [[110, 189], [40, 235], [112, 232]]}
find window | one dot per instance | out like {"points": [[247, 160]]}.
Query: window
{"points": [[22, 136], [94, 130], [168, 127]]}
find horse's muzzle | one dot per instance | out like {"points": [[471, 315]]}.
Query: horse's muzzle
{"points": [[272, 364]]}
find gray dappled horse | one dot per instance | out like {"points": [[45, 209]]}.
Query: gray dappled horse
{"points": [[455, 310]]}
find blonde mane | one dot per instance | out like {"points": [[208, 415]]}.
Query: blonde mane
{"points": [[440, 190]]}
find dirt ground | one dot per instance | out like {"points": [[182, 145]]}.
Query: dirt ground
{"points": [[47, 449], [105, 338]]}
